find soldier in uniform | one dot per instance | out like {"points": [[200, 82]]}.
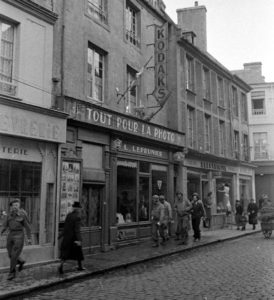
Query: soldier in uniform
{"points": [[157, 219], [16, 221]]}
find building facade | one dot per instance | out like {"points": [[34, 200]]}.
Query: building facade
{"points": [[213, 111], [261, 126], [30, 131], [112, 81]]}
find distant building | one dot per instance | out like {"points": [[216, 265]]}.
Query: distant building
{"points": [[261, 126], [213, 112]]}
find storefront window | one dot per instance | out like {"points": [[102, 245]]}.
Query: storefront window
{"points": [[91, 205], [126, 192], [143, 199], [21, 180], [159, 180]]}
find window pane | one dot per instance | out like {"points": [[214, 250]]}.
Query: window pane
{"points": [[143, 199], [4, 175], [126, 193], [159, 182]]}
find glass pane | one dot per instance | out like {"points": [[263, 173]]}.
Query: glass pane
{"points": [[143, 199], [159, 182], [4, 175], [144, 167], [27, 177], [126, 193], [15, 177]]}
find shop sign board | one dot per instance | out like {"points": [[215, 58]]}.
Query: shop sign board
{"points": [[88, 113], [19, 149], [140, 150], [30, 124], [209, 166], [70, 187], [126, 234]]}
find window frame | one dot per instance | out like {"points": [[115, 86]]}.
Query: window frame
{"points": [[130, 78], [258, 111], [236, 147], [190, 73], [206, 83], [190, 129], [102, 55], [220, 91], [208, 133], [235, 106], [100, 13], [259, 155], [132, 20], [222, 137], [244, 113]]}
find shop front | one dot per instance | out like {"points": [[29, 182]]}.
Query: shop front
{"points": [[124, 161], [225, 181], [29, 143]]}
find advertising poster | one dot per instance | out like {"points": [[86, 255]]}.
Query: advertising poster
{"points": [[70, 187]]}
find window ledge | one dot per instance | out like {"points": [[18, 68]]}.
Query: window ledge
{"points": [[207, 100], [221, 107], [191, 91]]}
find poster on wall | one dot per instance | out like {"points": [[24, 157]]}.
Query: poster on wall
{"points": [[70, 187]]}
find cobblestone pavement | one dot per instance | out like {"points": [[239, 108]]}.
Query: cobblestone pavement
{"points": [[237, 269]]}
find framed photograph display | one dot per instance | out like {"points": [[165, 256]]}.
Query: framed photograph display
{"points": [[70, 186]]}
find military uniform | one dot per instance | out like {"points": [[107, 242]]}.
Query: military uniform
{"points": [[15, 223], [157, 215]]}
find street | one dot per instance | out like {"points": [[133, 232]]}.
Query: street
{"points": [[237, 269]]}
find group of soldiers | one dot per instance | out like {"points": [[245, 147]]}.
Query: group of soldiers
{"points": [[161, 217]]}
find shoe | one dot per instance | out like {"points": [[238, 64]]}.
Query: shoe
{"points": [[60, 269], [21, 265], [155, 245], [11, 276], [81, 269]]}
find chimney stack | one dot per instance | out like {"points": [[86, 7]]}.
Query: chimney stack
{"points": [[194, 19]]}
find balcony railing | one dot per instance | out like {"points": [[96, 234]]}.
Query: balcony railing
{"points": [[132, 37], [258, 111], [7, 88]]}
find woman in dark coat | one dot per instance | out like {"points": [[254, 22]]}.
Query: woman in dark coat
{"points": [[71, 246], [252, 210], [239, 214]]}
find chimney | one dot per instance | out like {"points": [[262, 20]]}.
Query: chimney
{"points": [[194, 19]]}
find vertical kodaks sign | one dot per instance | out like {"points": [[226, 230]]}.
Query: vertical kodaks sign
{"points": [[161, 50]]}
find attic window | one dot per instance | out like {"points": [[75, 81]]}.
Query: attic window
{"points": [[189, 36]]}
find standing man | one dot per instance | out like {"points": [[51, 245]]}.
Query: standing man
{"points": [[182, 208], [207, 205], [157, 218], [167, 217], [197, 212], [16, 221], [71, 246]]}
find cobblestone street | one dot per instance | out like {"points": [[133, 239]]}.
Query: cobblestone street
{"points": [[237, 269]]}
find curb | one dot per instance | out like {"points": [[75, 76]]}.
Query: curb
{"points": [[75, 277]]}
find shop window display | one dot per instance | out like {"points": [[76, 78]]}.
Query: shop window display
{"points": [[21, 180]]}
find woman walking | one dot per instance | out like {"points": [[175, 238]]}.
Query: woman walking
{"points": [[252, 211]]}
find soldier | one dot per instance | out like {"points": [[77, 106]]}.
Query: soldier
{"points": [[16, 221], [167, 217], [157, 216]]}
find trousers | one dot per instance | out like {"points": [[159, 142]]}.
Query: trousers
{"points": [[15, 244]]}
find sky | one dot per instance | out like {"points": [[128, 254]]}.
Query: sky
{"points": [[238, 31]]}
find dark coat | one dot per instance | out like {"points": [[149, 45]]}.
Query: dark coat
{"points": [[70, 234], [252, 209], [197, 210]]}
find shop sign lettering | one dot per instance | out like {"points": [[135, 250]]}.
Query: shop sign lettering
{"points": [[30, 124], [13, 150], [212, 166], [89, 114], [141, 150]]}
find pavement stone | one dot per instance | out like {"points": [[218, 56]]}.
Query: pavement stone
{"points": [[35, 277]]}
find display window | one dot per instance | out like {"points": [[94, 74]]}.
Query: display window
{"points": [[21, 180], [144, 177]]}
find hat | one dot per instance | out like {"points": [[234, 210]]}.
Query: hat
{"points": [[76, 204], [195, 194], [179, 193], [15, 200], [161, 197]]}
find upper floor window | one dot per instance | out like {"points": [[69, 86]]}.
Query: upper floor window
{"points": [[97, 10], [190, 126], [206, 83], [95, 74], [258, 106], [236, 144], [243, 107], [220, 91], [7, 58], [189, 73], [222, 137], [245, 147], [235, 102], [207, 133], [132, 26], [260, 145], [132, 94]]}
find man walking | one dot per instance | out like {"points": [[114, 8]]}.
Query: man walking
{"points": [[157, 218], [182, 208], [16, 221], [71, 246], [167, 216]]}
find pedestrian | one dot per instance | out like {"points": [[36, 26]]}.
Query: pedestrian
{"points": [[197, 212], [71, 245], [157, 219], [16, 221], [239, 214], [252, 210], [167, 217], [208, 202], [182, 208]]}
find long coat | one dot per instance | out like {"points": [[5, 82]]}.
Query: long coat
{"points": [[252, 209], [70, 234]]}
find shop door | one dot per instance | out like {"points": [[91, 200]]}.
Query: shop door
{"points": [[92, 216]]}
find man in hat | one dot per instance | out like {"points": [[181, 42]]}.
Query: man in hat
{"points": [[16, 221], [71, 245], [157, 219]]}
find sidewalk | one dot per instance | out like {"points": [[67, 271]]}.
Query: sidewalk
{"points": [[39, 276]]}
